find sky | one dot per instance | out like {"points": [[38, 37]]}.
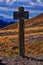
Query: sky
{"points": [[7, 7]]}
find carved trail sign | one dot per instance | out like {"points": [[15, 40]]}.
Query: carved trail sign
{"points": [[21, 15]]}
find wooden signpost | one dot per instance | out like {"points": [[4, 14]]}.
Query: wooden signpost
{"points": [[21, 15]]}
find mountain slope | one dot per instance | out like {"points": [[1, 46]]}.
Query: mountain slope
{"points": [[9, 43], [5, 22], [33, 22]]}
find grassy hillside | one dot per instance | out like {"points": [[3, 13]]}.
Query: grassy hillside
{"points": [[33, 32]]}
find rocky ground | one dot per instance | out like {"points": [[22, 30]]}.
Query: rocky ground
{"points": [[20, 61]]}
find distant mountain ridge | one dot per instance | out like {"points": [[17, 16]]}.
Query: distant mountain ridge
{"points": [[4, 21], [33, 22]]}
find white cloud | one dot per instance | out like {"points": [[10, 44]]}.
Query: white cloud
{"points": [[39, 4], [33, 11], [8, 9], [7, 1], [1, 0], [10, 1], [38, 0], [32, 3], [6, 16], [24, 0], [11, 9]]}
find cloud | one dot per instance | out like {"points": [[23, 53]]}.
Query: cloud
{"points": [[6, 16], [1, 0], [10, 1], [32, 3], [15, 9], [38, 0], [33, 11], [37, 3], [11, 8], [24, 0], [32, 7], [7, 1], [8, 9]]}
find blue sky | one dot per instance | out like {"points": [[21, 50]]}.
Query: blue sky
{"points": [[7, 7]]}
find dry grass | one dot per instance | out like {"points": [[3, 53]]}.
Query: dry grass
{"points": [[9, 45]]}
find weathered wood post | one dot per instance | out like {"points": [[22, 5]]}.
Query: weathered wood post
{"points": [[21, 15]]}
